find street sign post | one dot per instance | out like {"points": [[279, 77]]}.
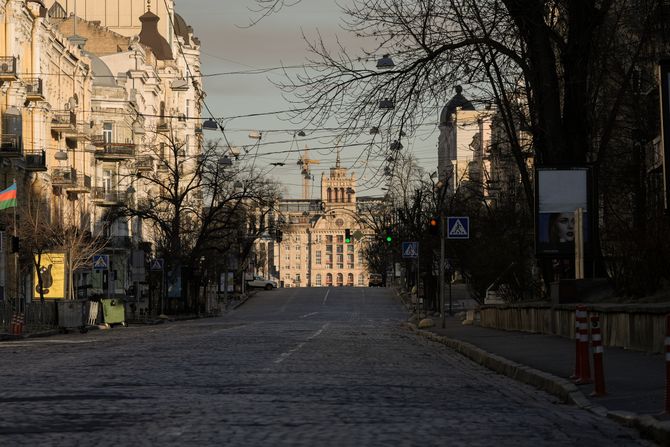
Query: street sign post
{"points": [[458, 227], [410, 250], [100, 262]]}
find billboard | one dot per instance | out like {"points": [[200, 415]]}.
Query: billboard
{"points": [[664, 86], [52, 271], [559, 192]]}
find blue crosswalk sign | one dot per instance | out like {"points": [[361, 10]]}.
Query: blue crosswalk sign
{"points": [[100, 262], [410, 249], [458, 227]]}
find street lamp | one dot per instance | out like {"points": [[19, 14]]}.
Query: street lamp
{"points": [[385, 62], [210, 124]]}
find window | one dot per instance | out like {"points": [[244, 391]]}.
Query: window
{"points": [[350, 248], [318, 258], [297, 256], [188, 109], [340, 238], [107, 130], [360, 261], [340, 261], [350, 279], [329, 279], [297, 248], [318, 279], [329, 248], [340, 280], [329, 239], [340, 248], [318, 239], [350, 261], [107, 180], [297, 278], [361, 280]]}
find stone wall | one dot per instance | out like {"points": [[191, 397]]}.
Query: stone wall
{"points": [[638, 327]]}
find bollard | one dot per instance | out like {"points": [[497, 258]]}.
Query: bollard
{"points": [[597, 344], [667, 364], [21, 323], [583, 347], [12, 326]]}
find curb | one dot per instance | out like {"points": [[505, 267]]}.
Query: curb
{"points": [[647, 425]]}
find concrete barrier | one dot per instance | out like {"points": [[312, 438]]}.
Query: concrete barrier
{"points": [[631, 326]]}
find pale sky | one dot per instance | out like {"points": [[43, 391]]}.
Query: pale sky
{"points": [[227, 45]]}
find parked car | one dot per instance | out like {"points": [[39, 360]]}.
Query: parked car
{"points": [[259, 281], [375, 280]]}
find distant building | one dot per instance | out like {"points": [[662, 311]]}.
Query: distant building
{"points": [[313, 251]]}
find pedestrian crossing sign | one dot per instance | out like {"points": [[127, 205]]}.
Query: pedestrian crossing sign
{"points": [[410, 249], [100, 262], [458, 227], [157, 264]]}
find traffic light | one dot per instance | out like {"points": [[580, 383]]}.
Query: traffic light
{"points": [[434, 225], [278, 236], [389, 236], [347, 236]]}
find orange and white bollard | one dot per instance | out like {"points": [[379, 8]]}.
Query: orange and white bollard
{"points": [[21, 324], [597, 344], [583, 347], [667, 364]]}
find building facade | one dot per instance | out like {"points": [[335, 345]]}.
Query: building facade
{"points": [[313, 251], [84, 105]]}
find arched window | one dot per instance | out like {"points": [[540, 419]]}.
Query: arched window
{"points": [[329, 279], [340, 280], [330, 194], [350, 279], [342, 195]]}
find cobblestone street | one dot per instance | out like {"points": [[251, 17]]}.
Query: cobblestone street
{"points": [[289, 367]]}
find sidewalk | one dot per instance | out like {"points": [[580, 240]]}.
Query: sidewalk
{"points": [[635, 381]]}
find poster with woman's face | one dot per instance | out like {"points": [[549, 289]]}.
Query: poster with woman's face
{"points": [[560, 193]]}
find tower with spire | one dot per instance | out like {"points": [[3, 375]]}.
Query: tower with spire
{"points": [[338, 189]]}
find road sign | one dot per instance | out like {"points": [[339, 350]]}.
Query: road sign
{"points": [[458, 227], [157, 264], [100, 262], [410, 249]]}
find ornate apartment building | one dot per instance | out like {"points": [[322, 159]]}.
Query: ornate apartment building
{"points": [[313, 251], [86, 97]]}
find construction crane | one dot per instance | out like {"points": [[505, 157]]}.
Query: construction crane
{"points": [[304, 161]]}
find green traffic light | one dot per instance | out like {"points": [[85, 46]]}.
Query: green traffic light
{"points": [[389, 238], [347, 240]]}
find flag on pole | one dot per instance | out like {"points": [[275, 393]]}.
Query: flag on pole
{"points": [[8, 197]]}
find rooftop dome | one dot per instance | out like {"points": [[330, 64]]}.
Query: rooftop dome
{"points": [[180, 27], [102, 75], [150, 37], [457, 101]]}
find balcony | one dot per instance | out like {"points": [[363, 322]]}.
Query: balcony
{"points": [[81, 184], [108, 197], [144, 163], [10, 145], [105, 150], [8, 68], [63, 177], [64, 123], [36, 161], [34, 90]]}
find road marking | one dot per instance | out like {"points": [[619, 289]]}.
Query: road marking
{"points": [[326, 297], [284, 355], [308, 315], [32, 342]]}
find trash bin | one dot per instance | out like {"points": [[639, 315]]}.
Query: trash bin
{"points": [[70, 314], [113, 311]]}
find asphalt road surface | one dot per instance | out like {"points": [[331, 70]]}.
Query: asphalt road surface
{"points": [[308, 367]]}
